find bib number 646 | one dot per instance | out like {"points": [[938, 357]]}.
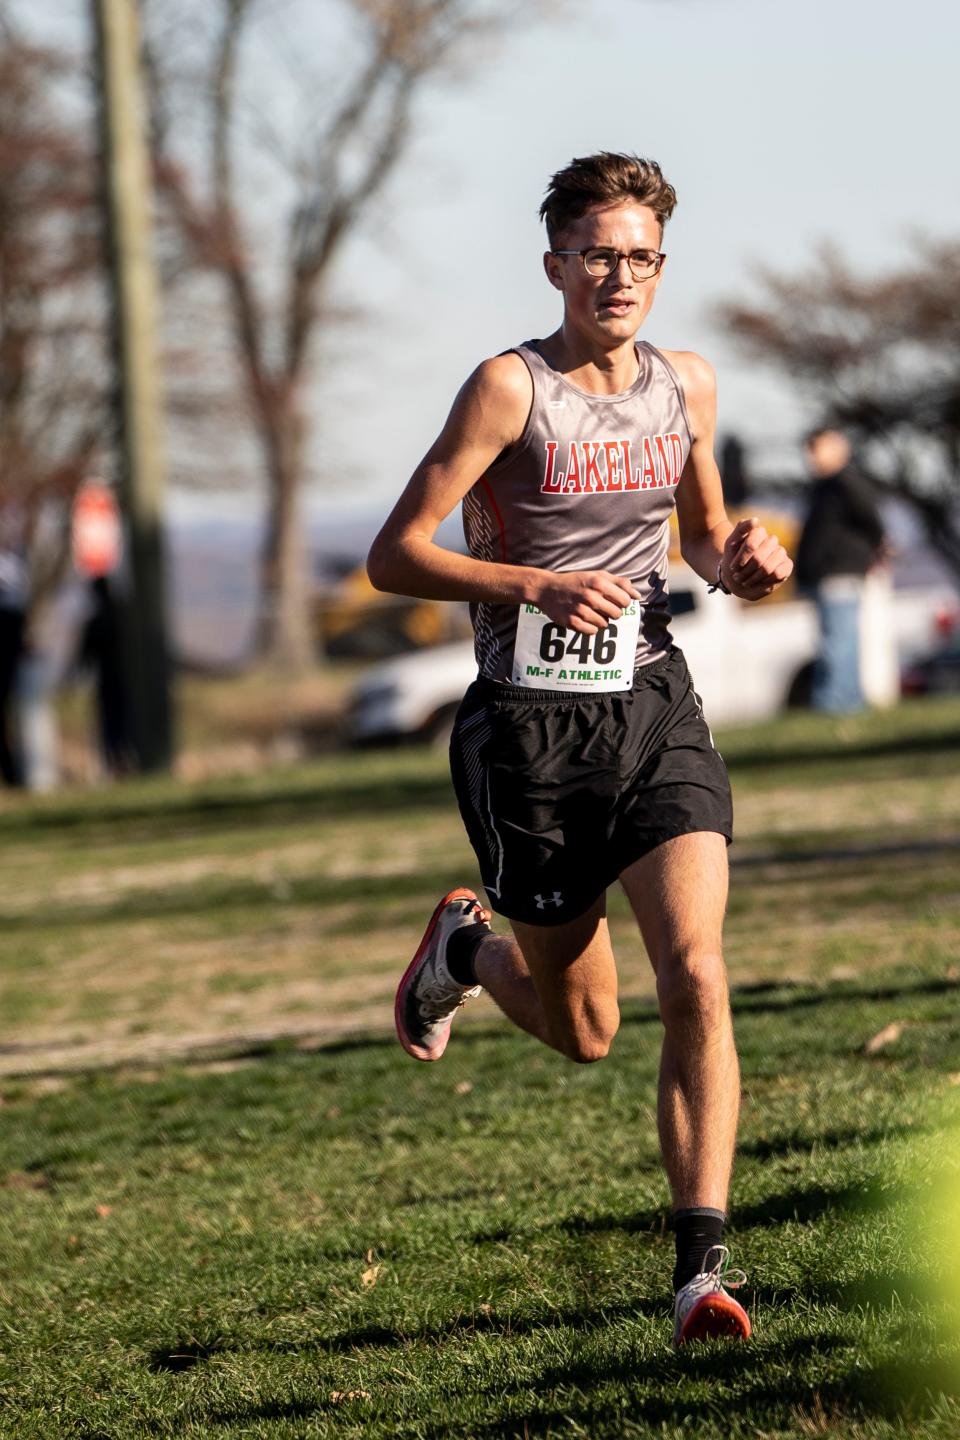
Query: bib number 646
{"points": [[600, 648], [550, 656]]}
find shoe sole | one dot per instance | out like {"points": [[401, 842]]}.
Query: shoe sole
{"points": [[412, 1048], [715, 1317]]}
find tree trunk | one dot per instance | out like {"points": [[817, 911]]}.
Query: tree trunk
{"points": [[284, 636]]}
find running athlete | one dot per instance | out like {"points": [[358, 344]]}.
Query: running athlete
{"points": [[580, 755]]}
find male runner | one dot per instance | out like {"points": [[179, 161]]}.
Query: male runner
{"points": [[580, 755]]}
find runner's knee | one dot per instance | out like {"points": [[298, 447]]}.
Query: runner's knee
{"points": [[590, 1037], [692, 990]]}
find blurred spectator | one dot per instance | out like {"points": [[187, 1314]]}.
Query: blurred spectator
{"points": [[58, 610], [52, 646], [13, 605], [96, 543], [842, 540], [101, 648]]}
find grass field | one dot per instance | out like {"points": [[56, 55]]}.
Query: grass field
{"points": [[232, 1207]]}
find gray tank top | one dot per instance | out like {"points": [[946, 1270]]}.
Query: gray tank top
{"points": [[589, 485]]}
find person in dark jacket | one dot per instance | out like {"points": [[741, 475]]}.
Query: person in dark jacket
{"points": [[13, 606], [842, 539]]}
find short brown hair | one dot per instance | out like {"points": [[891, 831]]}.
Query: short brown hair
{"points": [[604, 179]]}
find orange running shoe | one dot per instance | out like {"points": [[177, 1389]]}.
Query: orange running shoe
{"points": [[428, 997], [703, 1309]]}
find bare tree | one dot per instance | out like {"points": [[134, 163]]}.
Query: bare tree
{"points": [[53, 397], [353, 127], [56, 377], [881, 356]]}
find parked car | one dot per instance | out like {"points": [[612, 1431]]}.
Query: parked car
{"points": [[748, 661], [937, 672]]}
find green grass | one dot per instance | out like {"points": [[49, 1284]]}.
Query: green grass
{"points": [[187, 1256], [220, 1219]]}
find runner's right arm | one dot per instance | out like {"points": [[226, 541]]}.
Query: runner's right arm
{"points": [[489, 414]]}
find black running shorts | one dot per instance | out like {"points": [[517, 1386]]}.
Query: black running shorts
{"points": [[560, 793]]}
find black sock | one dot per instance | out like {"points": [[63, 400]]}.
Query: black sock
{"points": [[697, 1231], [462, 948]]}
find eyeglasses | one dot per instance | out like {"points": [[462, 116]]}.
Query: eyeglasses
{"points": [[600, 261]]}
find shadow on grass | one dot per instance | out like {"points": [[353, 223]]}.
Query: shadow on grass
{"points": [[769, 758], [780, 1395], [504, 1325], [774, 1380], [754, 1001], [188, 812], [778, 997], [183, 1355], [886, 1290], [797, 1204], [271, 1410], [776, 1146], [415, 889], [806, 1205], [883, 850], [721, 1362], [771, 1381], [186, 1354]]}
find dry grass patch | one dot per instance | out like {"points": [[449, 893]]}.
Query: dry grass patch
{"points": [[289, 904]]}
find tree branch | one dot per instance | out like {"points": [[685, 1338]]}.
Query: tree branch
{"points": [[246, 314]]}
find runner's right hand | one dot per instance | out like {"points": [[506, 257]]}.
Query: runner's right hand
{"points": [[585, 600]]}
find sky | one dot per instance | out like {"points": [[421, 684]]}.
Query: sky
{"points": [[780, 126]]}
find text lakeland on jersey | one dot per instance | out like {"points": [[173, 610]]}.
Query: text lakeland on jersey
{"points": [[594, 467]]}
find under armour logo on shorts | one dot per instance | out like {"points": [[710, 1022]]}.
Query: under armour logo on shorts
{"points": [[544, 900]]}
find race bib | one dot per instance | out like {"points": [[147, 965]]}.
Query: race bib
{"points": [[547, 656]]}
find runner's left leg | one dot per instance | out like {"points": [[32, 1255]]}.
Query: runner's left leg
{"points": [[678, 893]]}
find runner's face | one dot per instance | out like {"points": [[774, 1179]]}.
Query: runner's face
{"points": [[608, 308]]}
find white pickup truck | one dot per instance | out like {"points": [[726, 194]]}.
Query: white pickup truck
{"points": [[748, 661]]}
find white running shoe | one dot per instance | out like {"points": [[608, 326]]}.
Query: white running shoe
{"points": [[428, 997], [703, 1310]]}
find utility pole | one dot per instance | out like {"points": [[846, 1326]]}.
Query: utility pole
{"points": [[134, 297]]}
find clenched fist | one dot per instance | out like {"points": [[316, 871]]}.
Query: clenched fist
{"points": [[585, 600], [753, 563]]}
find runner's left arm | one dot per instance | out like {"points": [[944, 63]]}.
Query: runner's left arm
{"points": [[750, 562]]}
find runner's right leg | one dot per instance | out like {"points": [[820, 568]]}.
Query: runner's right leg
{"points": [[558, 982]]}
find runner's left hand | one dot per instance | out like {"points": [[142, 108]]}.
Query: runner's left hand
{"points": [[753, 563]]}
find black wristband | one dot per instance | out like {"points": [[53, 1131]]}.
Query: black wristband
{"points": [[718, 584]]}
